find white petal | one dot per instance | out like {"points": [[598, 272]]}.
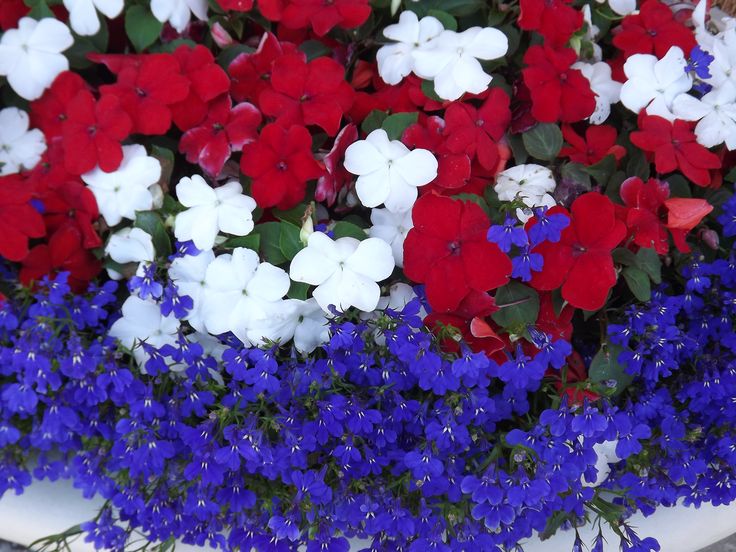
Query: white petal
{"points": [[373, 188], [363, 157], [418, 167], [83, 17], [311, 265], [406, 30], [269, 283], [487, 43], [689, 108], [234, 220], [373, 258], [195, 191], [401, 197], [358, 291]]}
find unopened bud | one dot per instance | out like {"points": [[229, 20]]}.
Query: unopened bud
{"points": [[221, 37], [710, 238]]}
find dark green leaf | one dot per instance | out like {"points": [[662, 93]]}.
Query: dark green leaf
{"points": [[396, 124], [166, 158], [602, 170], [638, 283], [679, 186], [517, 148], [717, 197], [289, 241], [428, 90], [293, 215], [270, 233], [373, 121], [614, 186], [172, 206], [314, 49], [228, 55], [647, 259], [343, 229], [152, 223], [638, 165], [544, 141], [519, 305], [85, 45], [251, 241], [448, 22], [39, 10], [605, 367], [575, 172], [298, 290], [142, 28], [731, 176], [624, 256]]}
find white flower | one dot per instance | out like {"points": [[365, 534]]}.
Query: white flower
{"points": [[393, 229], [723, 66], [129, 245], [121, 193], [606, 90], [178, 12], [312, 329], [142, 321], [210, 211], [30, 56], [451, 60], [621, 7], [605, 456], [388, 172], [244, 296], [654, 84], [345, 271], [395, 61], [531, 183], [716, 113], [20, 148], [189, 274], [83, 14]]}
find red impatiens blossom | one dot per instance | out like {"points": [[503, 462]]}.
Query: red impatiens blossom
{"points": [[50, 110], [650, 212], [147, 90], [10, 12], [92, 133], [71, 203], [447, 250], [555, 20], [236, 5], [225, 130], [559, 92], [250, 73], [207, 81], [302, 93], [324, 15], [336, 177], [654, 30], [581, 261], [675, 147], [478, 131], [453, 171], [599, 141], [63, 253], [19, 221], [280, 163]]}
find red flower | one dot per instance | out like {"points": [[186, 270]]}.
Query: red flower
{"points": [[207, 81], [302, 93], [556, 325], [236, 5], [226, 129], [10, 12], [477, 132], [685, 213], [599, 141], [92, 133], [559, 92], [250, 74], [64, 253], [555, 20], [675, 147], [72, 204], [581, 261], [324, 15], [280, 163], [336, 177], [147, 90], [447, 250], [654, 30], [50, 111], [19, 221]]}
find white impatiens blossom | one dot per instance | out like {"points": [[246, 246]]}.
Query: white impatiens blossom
{"points": [[723, 67], [178, 12], [395, 61], [606, 90], [715, 113], [129, 245], [189, 275], [393, 229], [83, 14], [654, 84], [451, 60], [245, 297], [621, 7], [30, 56], [210, 211], [530, 183], [311, 326], [388, 172], [142, 321], [121, 193], [20, 148], [345, 271]]}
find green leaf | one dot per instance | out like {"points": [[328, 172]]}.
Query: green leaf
{"points": [[314, 49], [428, 90], [544, 141], [517, 148], [166, 159], [605, 367], [172, 206], [396, 124], [39, 10], [647, 259], [251, 241], [85, 45], [293, 215], [298, 290], [624, 256], [638, 165], [638, 283], [522, 305], [343, 229], [270, 246], [373, 121], [731, 176], [679, 186], [448, 22], [289, 241], [613, 188], [142, 28], [602, 170], [576, 173], [228, 55], [152, 223]]}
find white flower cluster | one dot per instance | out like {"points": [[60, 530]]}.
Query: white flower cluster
{"points": [[532, 184], [20, 148], [431, 52]]}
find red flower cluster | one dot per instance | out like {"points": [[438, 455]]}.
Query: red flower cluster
{"points": [[654, 30]]}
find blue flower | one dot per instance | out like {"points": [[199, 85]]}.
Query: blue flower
{"points": [[507, 235], [146, 285], [699, 62], [526, 262], [547, 227]]}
